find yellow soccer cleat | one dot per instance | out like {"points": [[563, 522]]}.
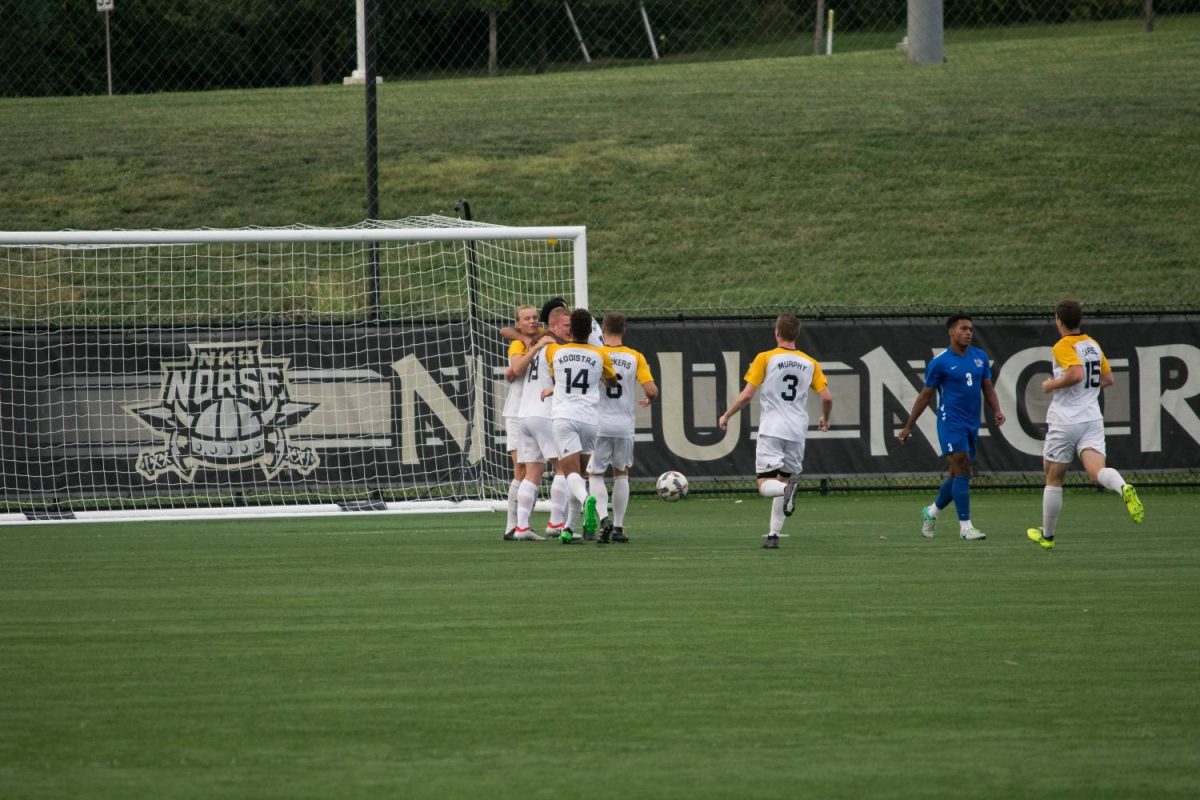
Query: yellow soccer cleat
{"points": [[1035, 535], [1129, 494]]}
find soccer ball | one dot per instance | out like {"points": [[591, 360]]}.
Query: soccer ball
{"points": [[672, 486]]}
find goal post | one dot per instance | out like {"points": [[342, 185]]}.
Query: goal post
{"points": [[264, 370]]}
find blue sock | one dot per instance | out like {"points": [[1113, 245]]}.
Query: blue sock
{"points": [[961, 490], [944, 497]]}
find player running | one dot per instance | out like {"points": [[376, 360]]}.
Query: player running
{"points": [[784, 375], [1075, 425]]}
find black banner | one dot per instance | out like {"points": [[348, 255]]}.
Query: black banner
{"points": [[144, 413], [875, 370]]}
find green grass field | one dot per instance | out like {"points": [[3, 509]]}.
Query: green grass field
{"points": [[1062, 162], [422, 657]]}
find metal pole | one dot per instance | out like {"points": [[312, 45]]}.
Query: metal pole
{"points": [[925, 28], [476, 366], [1148, 14], [372, 151], [587, 59], [649, 31], [108, 50], [817, 29]]}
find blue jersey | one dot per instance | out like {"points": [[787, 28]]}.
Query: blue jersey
{"points": [[958, 380]]}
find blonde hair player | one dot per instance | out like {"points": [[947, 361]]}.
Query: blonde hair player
{"points": [[615, 427], [537, 433], [1075, 425], [518, 362], [784, 376]]}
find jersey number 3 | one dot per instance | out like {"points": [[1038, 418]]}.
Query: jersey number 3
{"points": [[792, 382]]}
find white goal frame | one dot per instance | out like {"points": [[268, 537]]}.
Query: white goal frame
{"points": [[441, 230]]}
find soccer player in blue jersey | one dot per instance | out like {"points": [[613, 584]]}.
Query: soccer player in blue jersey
{"points": [[960, 375]]}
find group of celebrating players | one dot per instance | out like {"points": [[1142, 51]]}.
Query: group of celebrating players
{"points": [[571, 404]]}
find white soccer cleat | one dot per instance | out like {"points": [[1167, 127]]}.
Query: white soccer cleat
{"points": [[927, 521], [529, 536], [972, 534]]}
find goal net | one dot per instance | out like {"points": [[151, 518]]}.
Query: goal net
{"points": [[264, 370]]}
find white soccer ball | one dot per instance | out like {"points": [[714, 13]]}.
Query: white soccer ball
{"points": [[672, 486]]}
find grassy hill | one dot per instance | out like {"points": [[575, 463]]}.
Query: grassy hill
{"points": [[1022, 170]]}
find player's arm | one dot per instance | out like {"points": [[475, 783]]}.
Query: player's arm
{"points": [[651, 390], [989, 394], [510, 333], [740, 402], [519, 363], [826, 409], [608, 375], [1071, 376], [922, 403]]}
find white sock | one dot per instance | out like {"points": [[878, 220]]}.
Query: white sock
{"points": [[573, 509], [558, 500], [776, 516], [526, 497], [620, 500], [600, 492], [1110, 479], [772, 488], [577, 486], [1051, 508], [964, 525], [933, 510], [513, 489]]}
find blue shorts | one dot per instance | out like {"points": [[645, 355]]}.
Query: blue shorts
{"points": [[957, 439]]}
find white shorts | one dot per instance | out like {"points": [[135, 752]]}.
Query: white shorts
{"points": [[773, 453], [512, 434], [574, 436], [1064, 441], [537, 441], [611, 451]]}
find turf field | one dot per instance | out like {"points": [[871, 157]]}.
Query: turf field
{"points": [[423, 657]]}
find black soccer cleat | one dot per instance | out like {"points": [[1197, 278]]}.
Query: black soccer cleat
{"points": [[771, 542], [618, 535], [510, 535], [789, 496]]}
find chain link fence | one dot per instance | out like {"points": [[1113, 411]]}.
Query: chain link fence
{"points": [[56, 47]]}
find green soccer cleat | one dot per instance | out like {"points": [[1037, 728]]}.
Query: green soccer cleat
{"points": [[566, 537], [590, 521], [1129, 494], [1035, 535]]}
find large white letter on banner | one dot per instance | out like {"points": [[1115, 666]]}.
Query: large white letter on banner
{"points": [[1153, 400]]}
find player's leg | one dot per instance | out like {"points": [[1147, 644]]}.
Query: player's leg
{"points": [[622, 462], [527, 497], [768, 465], [597, 465], [1058, 450], [512, 435], [959, 447], [793, 465], [1092, 454]]}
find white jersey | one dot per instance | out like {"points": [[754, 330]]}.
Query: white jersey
{"points": [[616, 403], [536, 378], [578, 371], [783, 378], [512, 400], [1081, 402], [596, 337]]}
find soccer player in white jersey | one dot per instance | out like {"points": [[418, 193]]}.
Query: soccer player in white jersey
{"points": [[784, 375], [615, 427], [1074, 422], [579, 370], [537, 432], [527, 323]]}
